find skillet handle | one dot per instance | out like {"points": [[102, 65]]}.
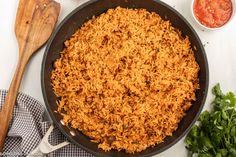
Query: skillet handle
{"points": [[36, 152], [45, 147]]}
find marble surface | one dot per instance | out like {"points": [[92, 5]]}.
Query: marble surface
{"points": [[220, 47]]}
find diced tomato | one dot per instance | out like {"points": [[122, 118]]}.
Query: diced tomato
{"points": [[202, 3], [225, 6], [213, 13], [214, 5]]}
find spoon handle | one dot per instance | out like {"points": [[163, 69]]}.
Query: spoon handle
{"points": [[7, 109]]}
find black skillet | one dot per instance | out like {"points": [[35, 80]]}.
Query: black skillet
{"points": [[74, 21]]}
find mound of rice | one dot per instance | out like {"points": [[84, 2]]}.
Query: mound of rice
{"points": [[125, 79]]}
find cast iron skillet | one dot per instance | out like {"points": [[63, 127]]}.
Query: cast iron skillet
{"points": [[74, 21]]}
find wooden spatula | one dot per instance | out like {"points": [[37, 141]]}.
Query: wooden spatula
{"points": [[35, 22]]}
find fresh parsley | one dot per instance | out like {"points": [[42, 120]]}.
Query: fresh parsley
{"points": [[215, 136]]}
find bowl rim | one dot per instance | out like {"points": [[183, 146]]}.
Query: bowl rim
{"points": [[214, 28], [59, 126]]}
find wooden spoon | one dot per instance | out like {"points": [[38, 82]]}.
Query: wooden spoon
{"points": [[35, 22]]}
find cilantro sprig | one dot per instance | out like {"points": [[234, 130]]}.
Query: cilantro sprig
{"points": [[215, 136]]}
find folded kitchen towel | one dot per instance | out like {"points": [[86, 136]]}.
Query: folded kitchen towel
{"points": [[27, 129]]}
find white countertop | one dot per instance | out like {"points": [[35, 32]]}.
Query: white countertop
{"points": [[220, 47]]}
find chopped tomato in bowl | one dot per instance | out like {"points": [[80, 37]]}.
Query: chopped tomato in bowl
{"points": [[213, 13]]}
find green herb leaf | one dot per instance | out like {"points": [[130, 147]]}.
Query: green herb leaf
{"points": [[233, 131], [224, 115], [223, 152], [233, 152], [231, 97], [218, 155], [217, 91], [204, 155]]}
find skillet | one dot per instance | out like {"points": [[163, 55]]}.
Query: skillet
{"points": [[73, 22]]}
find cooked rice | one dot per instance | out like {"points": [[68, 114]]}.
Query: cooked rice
{"points": [[125, 79]]}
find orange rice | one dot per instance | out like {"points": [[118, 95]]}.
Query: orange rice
{"points": [[125, 79]]}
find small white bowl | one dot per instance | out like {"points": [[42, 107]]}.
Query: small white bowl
{"points": [[216, 28]]}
